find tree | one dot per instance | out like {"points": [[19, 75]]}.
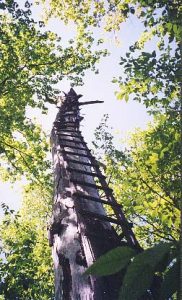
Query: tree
{"points": [[146, 181], [80, 230], [151, 77], [33, 61], [26, 264]]}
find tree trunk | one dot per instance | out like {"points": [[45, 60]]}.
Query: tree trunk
{"points": [[80, 231]]}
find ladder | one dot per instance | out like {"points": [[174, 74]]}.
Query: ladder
{"points": [[86, 216]]}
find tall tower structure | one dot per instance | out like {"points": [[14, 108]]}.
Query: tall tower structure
{"points": [[80, 229]]}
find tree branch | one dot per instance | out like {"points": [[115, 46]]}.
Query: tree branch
{"points": [[13, 147], [152, 224]]}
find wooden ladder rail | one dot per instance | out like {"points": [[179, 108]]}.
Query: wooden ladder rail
{"points": [[122, 221], [130, 237], [127, 231]]}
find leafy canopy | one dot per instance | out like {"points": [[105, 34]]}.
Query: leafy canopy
{"points": [[145, 178], [149, 76], [26, 263], [32, 62]]}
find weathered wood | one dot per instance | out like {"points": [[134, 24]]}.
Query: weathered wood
{"points": [[81, 195], [73, 141], [89, 214], [83, 163], [69, 130], [90, 102], [67, 123], [70, 135], [129, 235], [62, 126], [92, 185], [74, 147], [76, 153], [85, 172], [76, 225]]}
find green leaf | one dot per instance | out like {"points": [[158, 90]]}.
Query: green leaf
{"points": [[111, 262], [136, 281], [155, 254], [169, 26], [171, 282], [140, 272], [126, 97], [175, 28]]}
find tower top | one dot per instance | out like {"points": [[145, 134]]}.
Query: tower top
{"points": [[72, 95]]}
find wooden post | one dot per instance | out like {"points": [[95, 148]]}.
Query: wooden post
{"points": [[79, 231]]}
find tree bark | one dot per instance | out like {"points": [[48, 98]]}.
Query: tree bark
{"points": [[77, 239]]}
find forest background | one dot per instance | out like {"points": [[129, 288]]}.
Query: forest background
{"points": [[145, 176]]}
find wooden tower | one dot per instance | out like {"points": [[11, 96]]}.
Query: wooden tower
{"points": [[80, 230]]}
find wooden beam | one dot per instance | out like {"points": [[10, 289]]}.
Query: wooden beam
{"points": [[69, 130], [67, 113], [74, 147], [61, 125], [93, 174], [91, 198], [90, 214], [70, 135], [66, 122], [72, 141], [89, 102], [80, 162], [92, 185], [75, 153]]}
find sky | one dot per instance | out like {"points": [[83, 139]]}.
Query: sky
{"points": [[123, 117]]}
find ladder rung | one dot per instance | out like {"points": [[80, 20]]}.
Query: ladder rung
{"points": [[76, 142], [74, 147], [62, 126], [101, 217], [96, 235], [80, 162], [67, 122], [75, 153], [63, 122], [93, 174], [70, 130], [71, 109], [91, 185], [70, 135], [71, 113], [95, 199]]}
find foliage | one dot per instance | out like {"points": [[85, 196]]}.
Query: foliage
{"points": [[110, 14], [149, 76], [33, 61], [147, 181], [139, 279], [154, 76], [145, 178], [26, 264], [112, 262], [103, 144], [171, 281], [144, 265]]}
